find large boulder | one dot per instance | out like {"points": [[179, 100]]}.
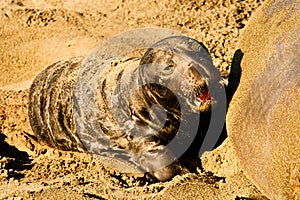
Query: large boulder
{"points": [[263, 119]]}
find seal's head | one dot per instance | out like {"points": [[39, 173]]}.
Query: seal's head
{"points": [[183, 65]]}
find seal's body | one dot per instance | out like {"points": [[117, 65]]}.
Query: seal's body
{"points": [[148, 109], [51, 104]]}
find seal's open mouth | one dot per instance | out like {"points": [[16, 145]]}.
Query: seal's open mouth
{"points": [[203, 98]]}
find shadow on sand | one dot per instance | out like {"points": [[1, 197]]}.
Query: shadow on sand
{"points": [[17, 160], [233, 83]]}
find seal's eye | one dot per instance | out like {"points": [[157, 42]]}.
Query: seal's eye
{"points": [[169, 69]]}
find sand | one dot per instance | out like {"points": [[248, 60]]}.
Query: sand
{"points": [[35, 34]]}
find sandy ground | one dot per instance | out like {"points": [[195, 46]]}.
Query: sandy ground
{"points": [[35, 34]]}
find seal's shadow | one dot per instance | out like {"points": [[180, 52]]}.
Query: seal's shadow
{"points": [[233, 83], [16, 160]]}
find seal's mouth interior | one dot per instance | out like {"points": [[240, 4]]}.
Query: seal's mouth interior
{"points": [[203, 95]]}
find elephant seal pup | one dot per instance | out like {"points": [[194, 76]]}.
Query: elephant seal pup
{"points": [[148, 112]]}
